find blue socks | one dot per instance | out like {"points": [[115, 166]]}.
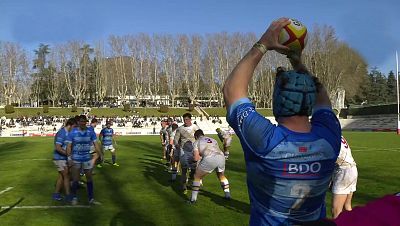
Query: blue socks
{"points": [[89, 185]]}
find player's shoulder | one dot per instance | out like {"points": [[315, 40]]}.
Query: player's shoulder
{"points": [[74, 130]]}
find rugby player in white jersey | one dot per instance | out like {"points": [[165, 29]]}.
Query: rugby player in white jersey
{"points": [[211, 157], [60, 159], [168, 147], [184, 139], [174, 152], [164, 138], [344, 180], [226, 139]]}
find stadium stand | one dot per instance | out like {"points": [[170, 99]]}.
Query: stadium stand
{"points": [[134, 125]]}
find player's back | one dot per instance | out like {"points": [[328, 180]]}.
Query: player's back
{"points": [[288, 172], [208, 146], [292, 177]]}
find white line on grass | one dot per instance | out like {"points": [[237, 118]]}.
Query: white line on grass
{"points": [[6, 190], [46, 207], [25, 160], [354, 148], [21, 160]]}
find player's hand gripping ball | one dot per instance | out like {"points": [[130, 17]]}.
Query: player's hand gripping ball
{"points": [[294, 36]]}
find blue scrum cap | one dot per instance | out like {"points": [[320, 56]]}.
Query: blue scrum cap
{"points": [[294, 94]]}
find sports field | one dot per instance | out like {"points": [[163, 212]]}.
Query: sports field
{"points": [[139, 193]]}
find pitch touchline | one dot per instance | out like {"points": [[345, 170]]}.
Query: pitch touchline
{"points": [[46, 207], [20, 160], [6, 190], [375, 149]]}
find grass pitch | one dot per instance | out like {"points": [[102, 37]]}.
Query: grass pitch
{"points": [[139, 193]]}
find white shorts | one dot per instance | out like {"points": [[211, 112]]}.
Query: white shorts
{"points": [[344, 180], [60, 164], [85, 165], [108, 147], [209, 163], [92, 150], [228, 142]]}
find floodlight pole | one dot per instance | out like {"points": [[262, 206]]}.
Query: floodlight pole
{"points": [[398, 102]]}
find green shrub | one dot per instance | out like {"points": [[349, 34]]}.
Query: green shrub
{"points": [[127, 107], [374, 110], [163, 109], [9, 109], [74, 109], [343, 113], [45, 108]]}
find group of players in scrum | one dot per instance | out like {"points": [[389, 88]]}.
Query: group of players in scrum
{"points": [[186, 147], [76, 151]]}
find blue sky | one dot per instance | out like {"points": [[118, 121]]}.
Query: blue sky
{"points": [[370, 27]]}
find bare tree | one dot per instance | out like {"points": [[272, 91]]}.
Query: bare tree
{"points": [[100, 72], [13, 69], [168, 60], [118, 52], [71, 68]]}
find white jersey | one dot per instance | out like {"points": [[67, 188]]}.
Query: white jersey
{"points": [[184, 134], [226, 135], [207, 146], [345, 159], [172, 136]]}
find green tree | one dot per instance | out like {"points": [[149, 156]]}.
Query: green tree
{"points": [[391, 87], [40, 77], [87, 70], [378, 92]]}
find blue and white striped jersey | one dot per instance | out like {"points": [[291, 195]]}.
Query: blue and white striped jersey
{"points": [[288, 173]]}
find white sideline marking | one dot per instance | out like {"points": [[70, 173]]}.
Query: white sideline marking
{"points": [[46, 207], [374, 149], [6, 190], [20, 160], [23, 160]]}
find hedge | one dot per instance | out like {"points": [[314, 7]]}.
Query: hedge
{"points": [[9, 109]]}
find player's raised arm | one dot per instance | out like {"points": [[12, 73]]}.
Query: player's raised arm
{"points": [[236, 85]]}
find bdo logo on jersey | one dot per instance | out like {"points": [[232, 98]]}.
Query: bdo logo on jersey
{"points": [[303, 168]]}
